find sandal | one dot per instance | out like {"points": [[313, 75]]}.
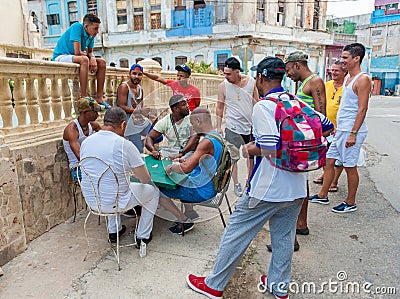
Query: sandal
{"points": [[333, 188], [319, 180]]}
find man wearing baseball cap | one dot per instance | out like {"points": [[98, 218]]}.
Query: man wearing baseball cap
{"points": [[268, 199], [130, 99], [312, 92], [181, 86], [80, 128]]}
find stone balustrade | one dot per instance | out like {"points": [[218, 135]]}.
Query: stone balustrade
{"points": [[35, 182]]}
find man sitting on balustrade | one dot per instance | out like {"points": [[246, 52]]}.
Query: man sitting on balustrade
{"points": [[130, 99], [198, 186], [76, 45], [110, 146], [79, 129]]}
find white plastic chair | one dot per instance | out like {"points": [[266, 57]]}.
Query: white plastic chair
{"points": [[96, 184]]}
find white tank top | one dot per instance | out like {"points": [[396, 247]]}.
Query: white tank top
{"points": [[72, 159], [239, 106], [349, 107]]}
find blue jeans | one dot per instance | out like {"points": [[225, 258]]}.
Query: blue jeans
{"points": [[76, 174], [244, 224], [137, 141]]}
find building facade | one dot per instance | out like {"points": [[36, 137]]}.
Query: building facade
{"points": [[175, 31], [382, 34]]}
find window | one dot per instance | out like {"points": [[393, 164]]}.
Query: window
{"points": [[260, 17], [121, 12], [180, 4], [199, 4], [280, 16], [155, 14], [158, 59], [123, 62], [377, 48], [221, 61], [199, 58], [180, 60], [138, 59], [376, 32], [53, 19], [92, 7], [221, 11], [138, 21], [300, 13], [72, 12], [316, 14]]}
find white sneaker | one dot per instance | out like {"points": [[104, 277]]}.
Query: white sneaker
{"points": [[238, 189]]}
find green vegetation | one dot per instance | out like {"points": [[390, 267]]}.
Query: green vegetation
{"points": [[202, 68]]}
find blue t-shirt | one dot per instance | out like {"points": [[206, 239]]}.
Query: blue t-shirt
{"points": [[75, 33]]}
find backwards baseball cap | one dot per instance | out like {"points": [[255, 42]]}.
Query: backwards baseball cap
{"points": [[233, 64], [270, 67], [296, 56], [88, 103], [175, 99], [183, 68], [136, 66]]}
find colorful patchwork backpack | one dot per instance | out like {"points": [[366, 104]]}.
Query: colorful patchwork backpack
{"points": [[302, 146]]}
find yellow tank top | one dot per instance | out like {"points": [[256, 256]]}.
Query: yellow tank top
{"points": [[333, 99]]}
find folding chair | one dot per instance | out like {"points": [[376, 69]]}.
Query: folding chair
{"points": [[217, 200], [105, 176]]}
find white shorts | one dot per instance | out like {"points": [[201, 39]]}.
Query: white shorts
{"points": [[65, 58], [348, 156]]}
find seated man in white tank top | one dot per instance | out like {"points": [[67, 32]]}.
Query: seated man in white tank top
{"points": [[80, 128]]}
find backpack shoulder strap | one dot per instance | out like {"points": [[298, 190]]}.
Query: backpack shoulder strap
{"points": [[217, 138]]}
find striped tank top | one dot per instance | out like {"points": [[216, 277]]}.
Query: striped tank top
{"points": [[302, 96]]}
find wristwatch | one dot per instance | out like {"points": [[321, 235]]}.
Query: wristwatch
{"points": [[181, 151], [354, 132]]}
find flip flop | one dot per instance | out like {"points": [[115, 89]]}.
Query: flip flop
{"points": [[319, 180], [333, 189]]}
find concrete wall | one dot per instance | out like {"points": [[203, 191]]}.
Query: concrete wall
{"points": [[14, 20]]}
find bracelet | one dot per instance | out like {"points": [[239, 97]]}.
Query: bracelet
{"points": [[354, 132]]}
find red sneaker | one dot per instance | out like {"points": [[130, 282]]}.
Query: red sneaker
{"points": [[197, 284], [262, 287]]}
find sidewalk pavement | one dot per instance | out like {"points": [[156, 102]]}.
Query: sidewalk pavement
{"points": [[362, 246]]}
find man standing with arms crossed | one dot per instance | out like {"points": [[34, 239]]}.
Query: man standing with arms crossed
{"points": [[351, 128], [239, 94], [312, 92], [76, 45], [130, 99]]}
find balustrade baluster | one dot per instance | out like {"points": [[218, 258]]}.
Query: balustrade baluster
{"points": [[92, 86], [32, 100], [6, 108], [56, 98], [66, 98], [20, 100], [109, 90], [44, 99], [76, 93]]}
